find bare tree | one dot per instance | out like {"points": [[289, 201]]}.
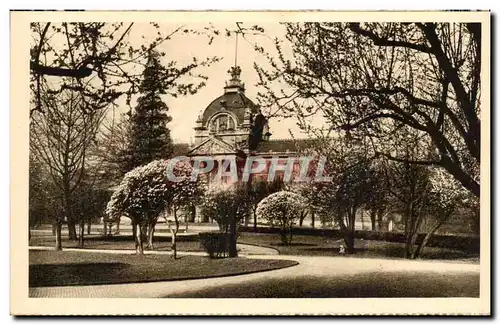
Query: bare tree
{"points": [[373, 78], [113, 140], [409, 187], [61, 138], [101, 62]]}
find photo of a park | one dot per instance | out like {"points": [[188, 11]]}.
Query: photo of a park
{"points": [[316, 159]]}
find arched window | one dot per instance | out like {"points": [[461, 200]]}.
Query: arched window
{"points": [[222, 123]]}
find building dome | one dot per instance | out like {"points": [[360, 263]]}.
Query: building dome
{"points": [[233, 101], [231, 122]]}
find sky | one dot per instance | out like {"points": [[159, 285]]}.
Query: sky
{"points": [[184, 110]]}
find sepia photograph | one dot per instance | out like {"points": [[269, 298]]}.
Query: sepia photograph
{"points": [[322, 162]]}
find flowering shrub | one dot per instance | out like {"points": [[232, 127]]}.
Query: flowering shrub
{"points": [[281, 208], [147, 191]]}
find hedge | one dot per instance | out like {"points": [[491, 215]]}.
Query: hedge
{"points": [[216, 244], [469, 244]]}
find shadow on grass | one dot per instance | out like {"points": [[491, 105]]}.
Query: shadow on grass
{"points": [[63, 268], [364, 285]]}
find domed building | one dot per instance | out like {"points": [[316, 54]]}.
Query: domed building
{"points": [[232, 125], [224, 126]]}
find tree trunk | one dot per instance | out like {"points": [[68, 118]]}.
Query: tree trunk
{"points": [[192, 214], [283, 232], [233, 250], [349, 242], [476, 223], [58, 236], [373, 215], [408, 232], [347, 231], [89, 227], [312, 219], [72, 230], [415, 224], [412, 244], [134, 229], [284, 237], [411, 238], [82, 233], [254, 220], [150, 234], [139, 248], [420, 249], [352, 223], [302, 216], [174, 243], [117, 231], [173, 232], [291, 234], [379, 220]]}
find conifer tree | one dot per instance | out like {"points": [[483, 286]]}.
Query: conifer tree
{"points": [[150, 136]]}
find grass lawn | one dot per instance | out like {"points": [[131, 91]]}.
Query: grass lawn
{"points": [[324, 246], [60, 268], [301, 245], [161, 243], [366, 285]]}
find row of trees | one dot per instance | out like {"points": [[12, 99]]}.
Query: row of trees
{"points": [[146, 194], [380, 81], [409, 94], [80, 71], [382, 188]]}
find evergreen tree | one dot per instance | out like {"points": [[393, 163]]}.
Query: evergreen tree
{"points": [[150, 137]]}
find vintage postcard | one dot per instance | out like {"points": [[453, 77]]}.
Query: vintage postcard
{"points": [[250, 163]]}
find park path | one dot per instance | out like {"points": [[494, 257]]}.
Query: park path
{"points": [[308, 265], [243, 250]]}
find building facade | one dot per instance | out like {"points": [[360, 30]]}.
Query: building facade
{"points": [[232, 127]]}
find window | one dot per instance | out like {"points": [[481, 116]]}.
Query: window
{"points": [[222, 123]]}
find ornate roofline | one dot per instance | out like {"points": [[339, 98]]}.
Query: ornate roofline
{"points": [[227, 112], [211, 138]]}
